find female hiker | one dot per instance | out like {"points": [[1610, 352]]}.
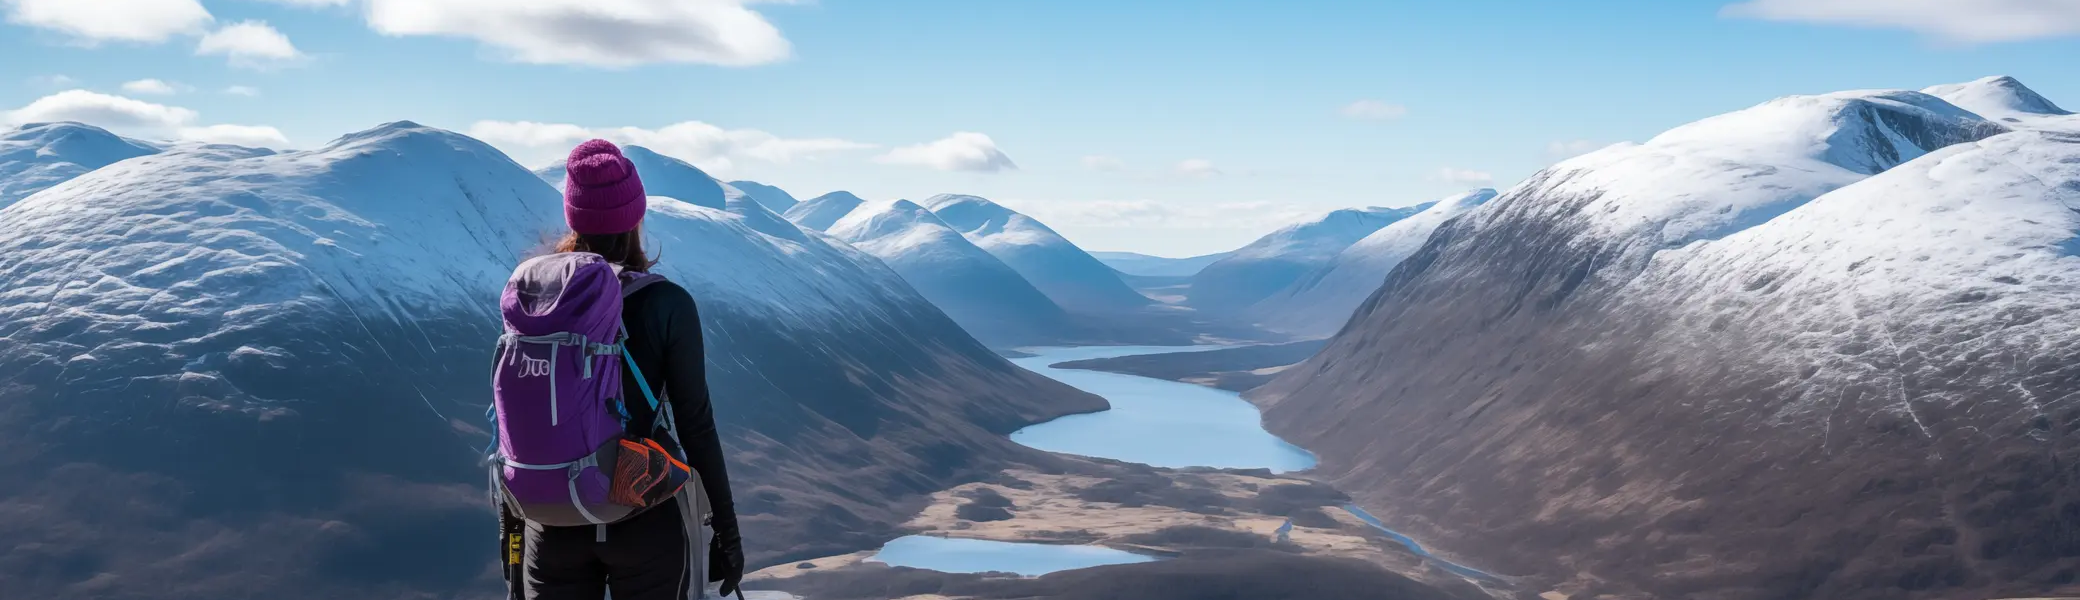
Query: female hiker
{"points": [[621, 528]]}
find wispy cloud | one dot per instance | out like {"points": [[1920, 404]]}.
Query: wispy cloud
{"points": [[255, 136], [1953, 21], [152, 86], [131, 116], [91, 23], [250, 44], [1373, 110], [708, 146], [622, 33], [1464, 176], [242, 90], [103, 110], [962, 151], [53, 81]]}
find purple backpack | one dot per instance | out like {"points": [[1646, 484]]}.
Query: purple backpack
{"points": [[565, 455]]}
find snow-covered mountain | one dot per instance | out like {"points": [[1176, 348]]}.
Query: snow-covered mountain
{"points": [[1064, 272], [281, 357], [662, 176], [773, 198], [1320, 302], [1133, 263], [1273, 262], [2006, 100], [1996, 97], [41, 155], [1818, 348], [821, 212], [987, 297]]}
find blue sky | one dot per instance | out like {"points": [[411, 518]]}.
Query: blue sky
{"points": [[1168, 127]]}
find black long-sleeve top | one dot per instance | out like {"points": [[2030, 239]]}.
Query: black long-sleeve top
{"points": [[664, 337]]}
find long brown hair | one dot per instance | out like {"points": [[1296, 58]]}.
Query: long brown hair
{"points": [[625, 249]]}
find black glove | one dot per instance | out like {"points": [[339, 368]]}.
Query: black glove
{"points": [[726, 561]]}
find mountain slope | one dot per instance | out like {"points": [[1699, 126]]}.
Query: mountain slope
{"points": [[980, 292], [1320, 302], [821, 212], [1269, 264], [1667, 368], [230, 375], [662, 176], [1155, 266], [773, 198], [40, 155], [1071, 277]]}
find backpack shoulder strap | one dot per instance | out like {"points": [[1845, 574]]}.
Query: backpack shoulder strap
{"points": [[635, 280]]}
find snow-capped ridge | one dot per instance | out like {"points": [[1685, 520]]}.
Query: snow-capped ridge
{"points": [[1071, 277], [985, 295], [821, 212], [874, 220], [1996, 97], [1722, 174], [774, 198]]}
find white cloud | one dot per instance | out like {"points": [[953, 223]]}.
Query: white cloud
{"points": [[250, 44], [1464, 176], [1955, 21], [1103, 163], [152, 86], [1161, 214], [255, 136], [962, 151], [1373, 110], [91, 22], [609, 33], [312, 3], [1566, 149], [1197, 167], [103, 110], [703, 144], [242, 90]]}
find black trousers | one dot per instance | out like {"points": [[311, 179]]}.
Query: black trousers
{"points": [[643, 558]]}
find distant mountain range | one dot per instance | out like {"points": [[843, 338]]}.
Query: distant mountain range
{"points": [[1156, 266], [987, 297], [234, 373], [1248, 275], [1319, 302], [1064, 272], [1824, 347]]}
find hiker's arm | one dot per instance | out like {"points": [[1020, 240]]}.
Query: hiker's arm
{"points": [[686, 387]]}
